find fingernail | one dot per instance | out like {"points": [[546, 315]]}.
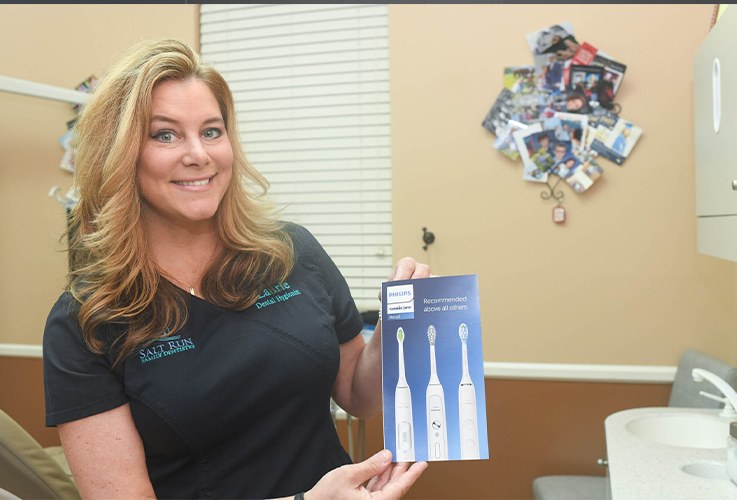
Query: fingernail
{"points": [[385, 456]]}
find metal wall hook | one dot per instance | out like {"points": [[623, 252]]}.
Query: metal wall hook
{"points": [[551, 192], [427, 237]]}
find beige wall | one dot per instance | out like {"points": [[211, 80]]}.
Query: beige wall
{"points": [[620, 282], [58, 45]]}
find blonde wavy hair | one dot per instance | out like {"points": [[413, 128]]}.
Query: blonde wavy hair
{"points": [[112, 276]]}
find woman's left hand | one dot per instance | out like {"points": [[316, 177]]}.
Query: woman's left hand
{"points": [[408, 268], [386, 480]]}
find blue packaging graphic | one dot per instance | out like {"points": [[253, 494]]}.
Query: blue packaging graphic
{"points": [[432, 366]]}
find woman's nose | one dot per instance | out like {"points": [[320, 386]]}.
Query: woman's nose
{"points": [[196, 153]]}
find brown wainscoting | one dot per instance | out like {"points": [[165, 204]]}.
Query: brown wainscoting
{"points": [[535, 428], [22, 396]]}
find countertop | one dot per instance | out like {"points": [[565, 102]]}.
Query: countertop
{"points": [[641, 469]]}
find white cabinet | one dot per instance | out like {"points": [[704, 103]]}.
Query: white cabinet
{"points": [[715, 134]]}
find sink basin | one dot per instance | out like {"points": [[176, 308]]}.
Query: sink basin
{"points": [[707, 470], [668, 453], [686, 430]]}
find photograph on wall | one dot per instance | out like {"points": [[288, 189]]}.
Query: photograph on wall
{"points": [[564, 161], [433, 370], [619, 142], [577, 102], [569, 127], [586, 79], [505, 139], [551, 73], [534, 146], [601, 125], [520, 79], [557, 40], [549, 103], [585, 55], [522, 108], [565, 166], [500, 113], [612, 71], [540, 149], [583, 176]]}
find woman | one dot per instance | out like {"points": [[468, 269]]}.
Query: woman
{"points": [[199, 341]]}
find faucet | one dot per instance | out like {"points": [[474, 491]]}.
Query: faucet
{"points": [[730, 395]]}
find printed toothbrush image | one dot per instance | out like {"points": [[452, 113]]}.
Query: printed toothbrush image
{"points": [[405, 451], [437, 349], [437, 435], [467, 404]]}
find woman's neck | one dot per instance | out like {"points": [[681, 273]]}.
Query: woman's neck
{"points": [[183, 255]]}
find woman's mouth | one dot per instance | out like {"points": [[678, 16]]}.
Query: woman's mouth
{"points": [[200, 182]]}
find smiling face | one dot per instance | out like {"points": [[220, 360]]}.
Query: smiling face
{"points": [[186, 161], [560, 151]]}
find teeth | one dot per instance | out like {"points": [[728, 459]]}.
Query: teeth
{"points": [[192, 183]]}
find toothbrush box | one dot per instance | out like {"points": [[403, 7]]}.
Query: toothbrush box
{"points": [[433, 370]]}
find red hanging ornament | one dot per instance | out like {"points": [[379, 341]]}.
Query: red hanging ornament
{"points": [[559, 214]]}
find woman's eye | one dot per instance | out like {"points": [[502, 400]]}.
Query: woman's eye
{"points": [[213, 133], [163, 136]]}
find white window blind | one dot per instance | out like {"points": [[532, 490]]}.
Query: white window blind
{"points": [[311, 84]]}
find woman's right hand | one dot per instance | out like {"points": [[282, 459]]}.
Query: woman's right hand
{"points": [[385, 480]]}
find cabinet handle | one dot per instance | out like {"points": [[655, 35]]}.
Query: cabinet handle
{"points": [[734, 185], [716, 95]]}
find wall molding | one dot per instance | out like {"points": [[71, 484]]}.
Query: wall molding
{"points": [[499, 370], [21, 350], [580, 372]]}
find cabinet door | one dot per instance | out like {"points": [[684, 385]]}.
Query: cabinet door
{"points": [[716, 151], [717, 236]]}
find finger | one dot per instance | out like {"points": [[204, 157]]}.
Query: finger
{"points": [[400, 268], [371, 485], [421, 271], [400, 469], [373, 466], [400, 485], [404, 269], [378, 482], [407, 268]]}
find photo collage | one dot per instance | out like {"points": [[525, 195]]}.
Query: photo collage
{"points": [[558, 115]]}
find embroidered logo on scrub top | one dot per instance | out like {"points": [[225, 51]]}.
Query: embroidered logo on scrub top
{"points": [[281, 292], [165, 346]]}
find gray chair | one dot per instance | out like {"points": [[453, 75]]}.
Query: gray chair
{"points": [[685, 391], [684, 394], [570, 488], [29, 471]]}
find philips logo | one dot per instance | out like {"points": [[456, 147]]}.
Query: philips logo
{"points": [[400, 302], [400, 293]]}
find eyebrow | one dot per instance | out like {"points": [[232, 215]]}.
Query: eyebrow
{"points": [[163, 118]]}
